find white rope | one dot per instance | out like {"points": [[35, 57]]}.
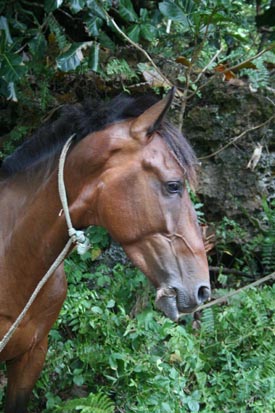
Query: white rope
{"points": [[79, 237], [75, 237]]}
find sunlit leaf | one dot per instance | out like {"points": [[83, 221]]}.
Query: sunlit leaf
{"points": [[153, 78], [72, 58], [77, 5], [11, 92], [8, 90], [51, 5], [193, 406], [95, 253]]}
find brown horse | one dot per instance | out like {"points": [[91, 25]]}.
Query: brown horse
{"points": [[127, 171]]}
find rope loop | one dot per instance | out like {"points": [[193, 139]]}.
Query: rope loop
{"points": [[77, 236]]}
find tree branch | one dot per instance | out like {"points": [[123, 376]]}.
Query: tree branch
{"points": [[225, 297], [233, 140], [229, 271]]}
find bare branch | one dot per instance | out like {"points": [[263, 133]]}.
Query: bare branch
{"points": [[233, 140], [232, 271], [250, 59], [208, 64], [225, 297]]}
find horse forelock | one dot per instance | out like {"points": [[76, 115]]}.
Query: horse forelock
{"points": [[84, 118]]}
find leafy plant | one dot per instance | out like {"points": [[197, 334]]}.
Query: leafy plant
{"points": [[147, 363], [94, 403]]}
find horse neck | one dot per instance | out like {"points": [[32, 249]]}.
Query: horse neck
{"points": [[33, 230]]}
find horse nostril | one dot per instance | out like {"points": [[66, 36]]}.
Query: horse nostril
{"points": [[203, 294]]}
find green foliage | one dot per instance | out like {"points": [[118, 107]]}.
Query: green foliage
{"points": [[148, 363], [94, 403], [36, 42], [16, 137], [242, 251], [108, 339], [120, 67]]}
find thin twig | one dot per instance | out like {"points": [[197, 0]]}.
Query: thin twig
{"points": [[229, 271], [208, 64], [233, 140], [137, 46], [232, 293], [230, 69]]}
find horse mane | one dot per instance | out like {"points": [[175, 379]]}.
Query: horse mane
{"points": [[84, 118]]}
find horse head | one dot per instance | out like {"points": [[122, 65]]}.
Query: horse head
{"points": [[142, 198]]}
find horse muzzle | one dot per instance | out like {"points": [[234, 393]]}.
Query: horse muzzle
{"points": [[174, 301]]}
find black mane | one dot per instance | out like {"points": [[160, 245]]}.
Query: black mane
{"points": [[84, 118]]}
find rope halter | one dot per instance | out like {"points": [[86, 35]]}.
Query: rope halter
{"points": [[77, 236]]}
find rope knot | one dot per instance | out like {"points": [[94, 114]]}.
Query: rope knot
{"points": [[80, 239]]}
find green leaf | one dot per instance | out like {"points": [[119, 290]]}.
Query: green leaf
{"points": [[96, 9], [51, 5], [173, 12], [111, 303], [12, 68], [78, 380], [126, 11], [148, 31], [106, 41], [134, 33], [94, 57], [11, 92], [193, 406], [8, 90], [72, 58], [93, 24], [38, 46], [77, 5]]}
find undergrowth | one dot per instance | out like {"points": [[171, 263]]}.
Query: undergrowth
{"points": [[111, 352], [103, 360]]}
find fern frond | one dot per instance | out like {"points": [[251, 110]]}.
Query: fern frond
{"points": [[208, 320], [94, 403]]}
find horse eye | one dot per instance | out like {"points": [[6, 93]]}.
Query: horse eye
{"points": [[174, 187]]}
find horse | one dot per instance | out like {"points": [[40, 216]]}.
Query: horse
{"points": [[128, 169]]}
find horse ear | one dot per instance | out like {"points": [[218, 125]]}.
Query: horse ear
{"points": [[150, 120]]}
